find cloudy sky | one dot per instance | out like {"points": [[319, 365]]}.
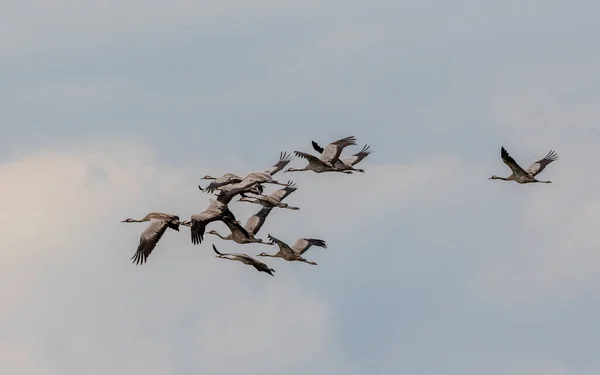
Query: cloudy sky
{"points": [[114, 109]]}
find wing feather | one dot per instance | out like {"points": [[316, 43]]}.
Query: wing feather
{"points": [[311, 158], [148, 240], [512, 164], [333, 150], [284, 159], [283, 247], [303, 244], [537, 167]]}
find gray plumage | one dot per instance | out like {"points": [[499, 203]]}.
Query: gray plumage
{"points": [[303, 244], [159, 222], [315, 164], [246, 259], [349, 162], [238, 233], [256, 221], [224, 180], [216, 211], [525, 176], [329, 155], [332, 151], [286, 252], [274, 199], [284, 159]]}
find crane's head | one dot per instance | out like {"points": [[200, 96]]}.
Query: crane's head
{"points": [[128, 221], [494, 177], [293, 170], [263, 254], [208, 177], [212, 231]]}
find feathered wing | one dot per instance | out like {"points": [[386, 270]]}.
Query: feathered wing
{"points": [[246, 259], [256, 221], [358, 157], [148, 240], [303, 244], [316, 147], [512, 164], [333, 150], [226, 179], [215, 211], [284, 159], [249, 184], [235, 226], [197, 231], [537, 167], [283, 247], [281, 194], [311, 158]]}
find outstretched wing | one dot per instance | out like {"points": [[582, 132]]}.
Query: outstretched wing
{"points": [[148, 240], [358, 157], [311, 158], [284, 159], [537, 167], [235, 226], [512, 164], [256, 221], [317, 148], [303, 244], [283, 247], [280, 194], [333, 150]]}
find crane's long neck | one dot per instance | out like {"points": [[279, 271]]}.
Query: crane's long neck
{"points": [[219, 234], [248, 199], [136, 220]]}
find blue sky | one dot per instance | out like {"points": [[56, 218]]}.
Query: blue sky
{"points": [[115, 109]]}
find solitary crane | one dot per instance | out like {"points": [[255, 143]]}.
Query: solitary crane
{"points": [[159, 222], [525, 176], [294, 253], [246, 259]]}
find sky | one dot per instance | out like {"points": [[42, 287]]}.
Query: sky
{"points": [[114, 109]]}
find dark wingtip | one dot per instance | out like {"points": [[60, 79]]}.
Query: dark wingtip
{"points": [[138, 258]]}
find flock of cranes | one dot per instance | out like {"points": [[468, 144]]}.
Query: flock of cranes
{"points": [[229, 186], [250, 189]]}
